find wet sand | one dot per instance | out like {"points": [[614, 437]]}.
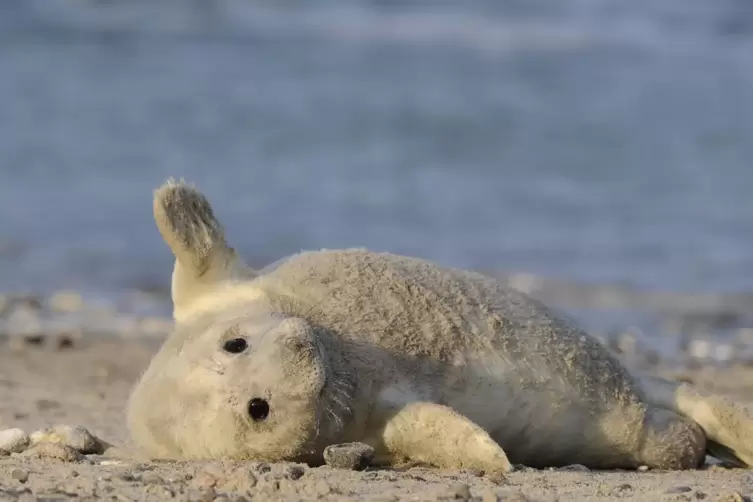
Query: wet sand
{"points": [[88, 384]]}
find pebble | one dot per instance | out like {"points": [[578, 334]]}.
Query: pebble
{"points": [[206, 495], [622, 490], [54, 451], [642, 468], [574, 468], [497, 477], [4, 453], [731, 497], [77, 438], [459, 492], [679, 489], [151, 478], [13, 440], [489, 496], [20, 475], [353, 456], [294, 472]]}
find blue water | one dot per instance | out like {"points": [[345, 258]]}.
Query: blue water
{"points": [[597, 141]]}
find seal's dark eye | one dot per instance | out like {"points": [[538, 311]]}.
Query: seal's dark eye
{"points": [[235, 346], [258, 409]]}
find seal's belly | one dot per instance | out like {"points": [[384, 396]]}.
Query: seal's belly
{"points": [[536, 415]]}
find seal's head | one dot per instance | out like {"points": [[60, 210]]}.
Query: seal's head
{"points": [[240, 376], [243, 386]]}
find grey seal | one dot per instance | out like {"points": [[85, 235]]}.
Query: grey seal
{"points": [[423, 363]]}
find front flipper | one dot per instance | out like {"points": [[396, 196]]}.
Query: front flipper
{"points": [[187, 223], [727, 423], [437, 435]]}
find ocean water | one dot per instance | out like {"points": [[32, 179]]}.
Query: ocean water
{"points": [[596, 141]]}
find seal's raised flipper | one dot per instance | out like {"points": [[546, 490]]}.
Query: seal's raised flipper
{"points": [[728, 424], [203, 258], [437, 435]]}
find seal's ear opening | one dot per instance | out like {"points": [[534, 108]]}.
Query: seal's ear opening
{"points": [[186, 221]]}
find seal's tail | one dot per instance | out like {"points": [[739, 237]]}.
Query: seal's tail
{"points": [[728, 424], [188, 225]]}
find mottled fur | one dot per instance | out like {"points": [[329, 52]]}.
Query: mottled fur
{"points": [[425, 363]]}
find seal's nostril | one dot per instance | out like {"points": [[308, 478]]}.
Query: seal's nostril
{"points": [[258, 409]]}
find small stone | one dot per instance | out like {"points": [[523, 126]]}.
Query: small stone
{"points": [[152, 478], [731, 497], [20, 475], [489, 496], [13, 440], [574, 468], [679, 489], [353, 456], [4, 453], [206, 495], [161, 492], [517, 496], [76, 437], [458, 492], [53, 451], [642, 468], [523, 468], [46, 404], [261, 467], [322, 488], [295, 472], [497, 477], [126, 476], [622, 490]]}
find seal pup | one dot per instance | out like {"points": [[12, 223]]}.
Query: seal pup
{"points": [[422, 362]]}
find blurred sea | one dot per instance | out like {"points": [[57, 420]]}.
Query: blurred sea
{"points": [[593, 141]]}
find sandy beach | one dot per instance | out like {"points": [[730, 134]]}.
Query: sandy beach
{"points": [[86, 382]]}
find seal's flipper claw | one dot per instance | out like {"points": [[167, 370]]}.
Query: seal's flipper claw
{"points": [[724, 454], [187, 223], [728, 424], [437, 435]]}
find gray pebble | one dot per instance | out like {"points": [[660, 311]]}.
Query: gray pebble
{"points": [[574, 468], [679, 489], [261, 467], [353, 456], [53, 451], [20, 475], [731, 497], [206, 495], [622, 490], [76, 437], [459, 492], [151, 478], [497, 477], [295, 472], [13, 440]]}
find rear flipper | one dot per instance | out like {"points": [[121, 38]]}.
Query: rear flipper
{"points": [[728, 424]]}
